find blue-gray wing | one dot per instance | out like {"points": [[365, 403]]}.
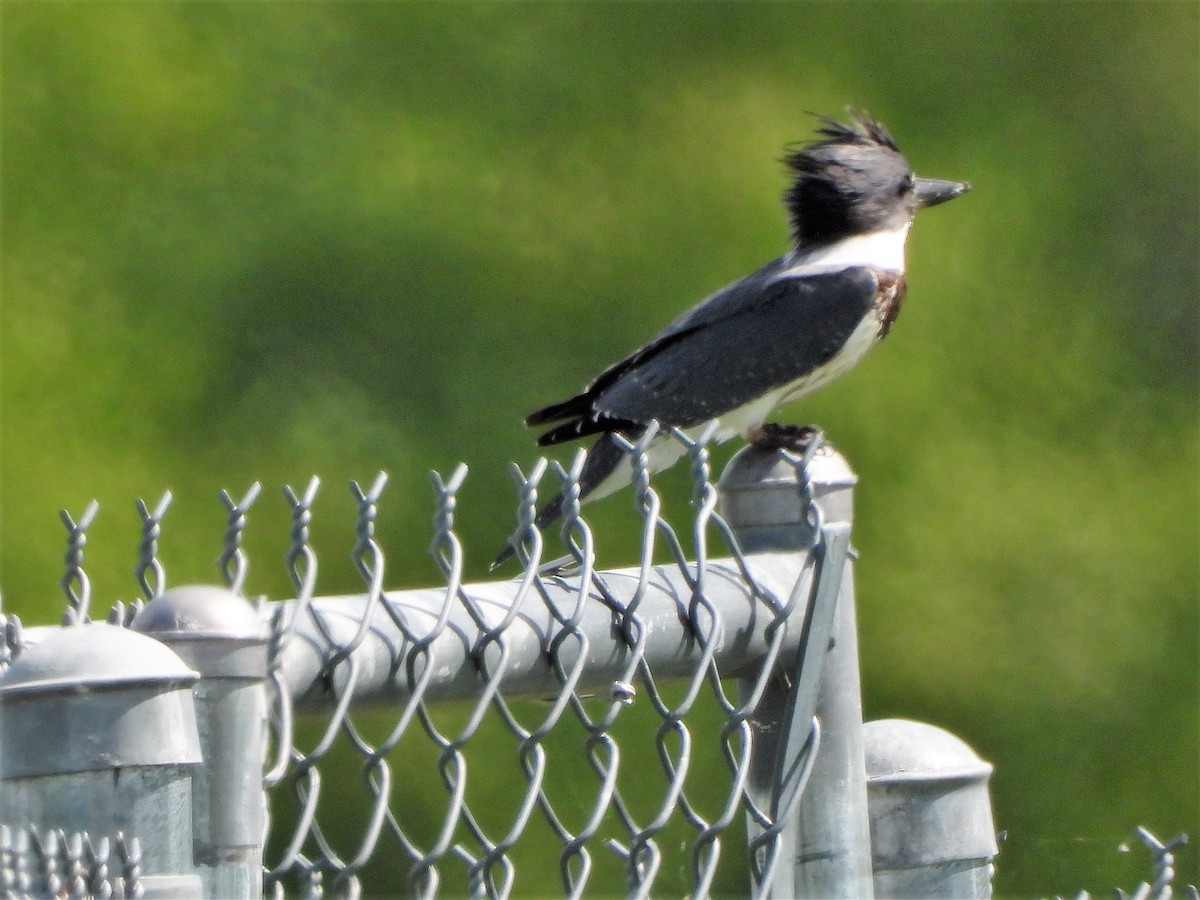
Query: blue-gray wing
{"points": [[762, 332], [737, 347]]}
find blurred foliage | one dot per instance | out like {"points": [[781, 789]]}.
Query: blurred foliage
{"points": [[258, 241]]}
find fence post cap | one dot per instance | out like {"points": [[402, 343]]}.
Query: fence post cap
{"points": [[899, 750], [96, 697], [932, 832], [196, 611], [213, 629], [762, 500], [78, 658], [755, 467]]}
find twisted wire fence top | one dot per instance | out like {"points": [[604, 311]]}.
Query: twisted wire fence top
{"points": [[150, 574], [75, 583], [232, 562]]}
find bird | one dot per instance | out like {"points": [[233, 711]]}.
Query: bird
{"points": [[780, 333]]}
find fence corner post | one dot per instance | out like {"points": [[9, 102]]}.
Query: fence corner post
{"points": [[99, 736], [826, 851], [220, 635]]}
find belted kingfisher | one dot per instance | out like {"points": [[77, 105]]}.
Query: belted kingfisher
{"points": [[778, 334]]}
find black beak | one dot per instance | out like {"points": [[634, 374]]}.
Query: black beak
{"points": [[932, 191]]}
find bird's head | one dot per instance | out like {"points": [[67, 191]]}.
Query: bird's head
{"points": [[854, 181]]}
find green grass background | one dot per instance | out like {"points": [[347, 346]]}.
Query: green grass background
{"points": [[260, 241]]}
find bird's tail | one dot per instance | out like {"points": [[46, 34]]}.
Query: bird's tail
{"points": [[602, 461]]}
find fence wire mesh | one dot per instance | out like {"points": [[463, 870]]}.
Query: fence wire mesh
{"points": [[649, 798]]}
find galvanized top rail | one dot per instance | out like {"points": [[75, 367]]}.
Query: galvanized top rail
{"points": [[666, 633]]}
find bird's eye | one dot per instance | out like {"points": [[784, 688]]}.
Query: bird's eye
{"points": [[906, 186]]}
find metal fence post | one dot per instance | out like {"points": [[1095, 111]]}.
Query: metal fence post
{"points": [[826, 851], [931, 818], [219, 634], [99, 736]]}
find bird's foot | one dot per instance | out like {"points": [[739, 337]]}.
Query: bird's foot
{"points": [[776, 436]]}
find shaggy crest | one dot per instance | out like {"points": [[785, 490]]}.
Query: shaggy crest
{"points": [[861, 130]]}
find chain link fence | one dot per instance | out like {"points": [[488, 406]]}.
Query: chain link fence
{"points": [[689, 725], [589, 646]]}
